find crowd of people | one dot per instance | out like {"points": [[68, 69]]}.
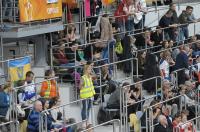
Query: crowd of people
{"points": [[168, 53]]}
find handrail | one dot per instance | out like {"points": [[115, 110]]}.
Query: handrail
{"points": [[91, 43], [15, 59], [43, 113], [150, 108], [74, 23], [53, 78], [114, 120], [175, 47], [177, 128], [123, 99]]}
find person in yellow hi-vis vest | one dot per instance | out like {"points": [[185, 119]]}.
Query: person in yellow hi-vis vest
{"points": [[86, 91], [49, 88]]}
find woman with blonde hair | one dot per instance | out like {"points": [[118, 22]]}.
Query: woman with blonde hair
{"points": [[86, 91]]}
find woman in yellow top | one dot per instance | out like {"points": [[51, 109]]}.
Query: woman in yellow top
{"points": [[86, 91]]}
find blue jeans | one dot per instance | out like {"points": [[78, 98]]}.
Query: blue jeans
{"points": [[185, 32], [86, 105], [129, 24]]}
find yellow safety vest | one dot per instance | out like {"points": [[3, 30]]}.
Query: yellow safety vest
{"points": [[88, 90], [47, 92]]}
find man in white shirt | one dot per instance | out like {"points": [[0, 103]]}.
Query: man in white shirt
{"points": [[29, 91]]}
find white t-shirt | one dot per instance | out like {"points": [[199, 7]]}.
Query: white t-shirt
{"points": [[164, 66]]}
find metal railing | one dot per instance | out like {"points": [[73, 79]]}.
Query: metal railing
{"points": [[43, 115], [105, 123], [123, 98], [150, 109]]}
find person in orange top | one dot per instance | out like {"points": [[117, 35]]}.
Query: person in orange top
{"points": [[49, 88]]}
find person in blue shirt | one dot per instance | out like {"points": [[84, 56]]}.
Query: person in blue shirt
{"points": [[4, 99], [34, 117]]}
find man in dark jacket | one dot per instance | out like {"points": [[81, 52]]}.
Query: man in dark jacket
{"points": [[185, 18], [165, 22], [163, 125], [174, 20], [34, 117], [182, 62]]}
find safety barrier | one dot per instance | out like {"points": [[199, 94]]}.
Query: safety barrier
{"points": [[151, 126], [111, 121], [12, 126], [123, 98], [43, 115], [192, 123]]}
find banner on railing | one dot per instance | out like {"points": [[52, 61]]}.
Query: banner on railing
{"points": [[31, 10], [18, 68]]}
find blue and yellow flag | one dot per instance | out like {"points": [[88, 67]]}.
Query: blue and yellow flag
{"points": [[18, 68]]}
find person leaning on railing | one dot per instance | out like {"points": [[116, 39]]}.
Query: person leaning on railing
{"points": [[86, 91]]}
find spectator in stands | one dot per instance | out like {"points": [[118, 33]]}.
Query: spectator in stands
{"points": [[190, 87], [34, 117], [57, 115], [129, 9], [4, 99], [61, 58], [174, 18], [151, 70], [141, 62], [166, 22], [107, 39], [114, 100], [163, 125], [166, 111], [29, 88], [141, 9], [126, 44], [176, 121], [157, 37], [49, 88], [168, 94], [165, 63], [185, 18], [148, 40], [124, 10], [195, 46], [93, 51], [182, 62], [106, 28], [184, 125], [136, 95], [86, 92]]}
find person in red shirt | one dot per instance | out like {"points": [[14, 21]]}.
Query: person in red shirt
{"points": [[61, 58], [176, 121]]}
